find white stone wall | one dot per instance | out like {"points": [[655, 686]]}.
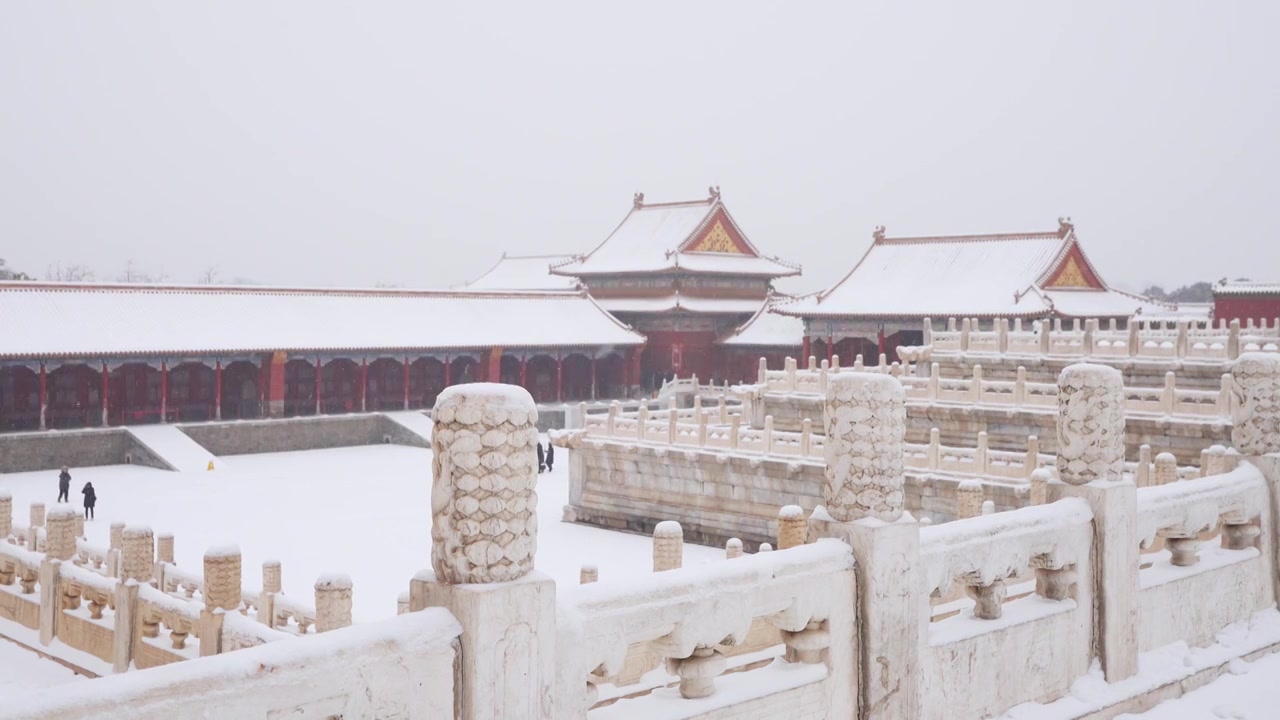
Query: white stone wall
{"points": [[399, 668]]}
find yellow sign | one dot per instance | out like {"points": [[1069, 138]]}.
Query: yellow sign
{"points": [[1071, 276], [716, 241]]}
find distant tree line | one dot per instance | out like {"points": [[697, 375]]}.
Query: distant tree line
{"points": [[1201, 292], [75, 272]]}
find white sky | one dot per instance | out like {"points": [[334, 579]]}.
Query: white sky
{"points": [[411, 143]]}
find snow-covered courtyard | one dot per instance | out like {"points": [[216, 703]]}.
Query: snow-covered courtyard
{"points": [[363, 511]]}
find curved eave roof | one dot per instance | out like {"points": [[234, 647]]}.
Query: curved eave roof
{"points": [[83, 320]]}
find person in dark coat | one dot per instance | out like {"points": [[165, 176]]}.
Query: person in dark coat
{"points": [[551, 455], [90, 499], [64, 484], [541, 462]]}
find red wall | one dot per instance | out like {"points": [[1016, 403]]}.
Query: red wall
{"points": [[1243, 307]]}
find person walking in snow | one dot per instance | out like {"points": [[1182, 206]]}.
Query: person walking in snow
{"points": [[551, 455], [90, 499], [541, 461], [64, 484]]}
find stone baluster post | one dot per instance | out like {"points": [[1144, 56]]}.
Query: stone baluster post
{"points": [[484, 536], [975, 385], [588, 574], [733, 549], [768, 434], [60, 532], [1135, 344], [271, 576], [762, 375], [702, 429], [1224, 397], [835, 362], [764, 547], [792, 527], [1091, 410], [806, 436], [934, 385], [934, 453], [116, 541], [1166, 469], [402, 604], [964, 335], [271, 588], [988, 600], [1032, 460], [79, 525], [6, 514], [642, 421], [865, 423], [1217, 460], [988, 507], [668, 546], [333, 602], [139, 554], [222, 581], [857, 363], [1002, 335], [37, 515], [722, 411], [813, 363], [612, 418], [980, 454], [1090, 336], [735, 428], [1255, 404], [968, 499], [1142, 478], [1169, 395], [790, 367], [673, 418], [1180, 346], [822, 377], [1044, 337], [1233, 340], [1020, 387], [927, 332], [882, 364], [164, 548], [1040, 478]]}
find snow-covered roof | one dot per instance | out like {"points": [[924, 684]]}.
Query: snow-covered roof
{"points": [[677, 301], [767, 328], [1247, 287], [96, 320], [1009, 275], [699, 236], [524, 272]]}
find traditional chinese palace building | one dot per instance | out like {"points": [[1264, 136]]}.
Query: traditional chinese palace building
{"points": [[1246, 301], [77, 355], [684, 275], [899, 282]]}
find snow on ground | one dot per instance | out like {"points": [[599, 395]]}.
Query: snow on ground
{"points": [[23, 670], [1247, 691], [174, 446], [363, 511], [415, 420]]}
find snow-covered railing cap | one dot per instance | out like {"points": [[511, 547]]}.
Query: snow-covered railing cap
{"points": [[217, 551], [136, 531], [333, 581], [59, 511]]}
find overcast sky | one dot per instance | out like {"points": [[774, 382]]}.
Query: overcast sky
{"points": [[413, 142]]}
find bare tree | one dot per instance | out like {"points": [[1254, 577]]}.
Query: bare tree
{"points": [[8, 274], [209, 276], [132, 274], [74, 272], [385, 285]]}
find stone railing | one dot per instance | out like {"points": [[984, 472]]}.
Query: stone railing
{"points": [[113, 603], [1169, 400], [813, 379], [692, 619], [1180, 340]]}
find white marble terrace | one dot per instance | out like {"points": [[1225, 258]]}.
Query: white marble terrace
{"points": [[861, 612]]}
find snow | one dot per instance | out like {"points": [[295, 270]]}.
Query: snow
{"points": [[1247, 691], [364, 511], [768, 329], [334, 581], [731, 689], [524, 272], [791, 512], [511, 396], [980, 275], [677, 301], [173, 446], [415, 421], [22, 670], [1245, 287], [86, 320], [650, 237], [221, 551]]}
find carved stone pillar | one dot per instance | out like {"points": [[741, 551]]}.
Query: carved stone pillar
{"points": [[484, 535], [1166, 468], [865, 423], [6, 514], [732, 549], [222, 578], [968, 499], [271, 576], [37, 515], [1091, 409], [1040, 478], [483, 500], [792, 527], [60, 534], [164, 548], [117, 536], [1255, 403], [588, 574], [139, 554], [333, 602], [668, 546]]}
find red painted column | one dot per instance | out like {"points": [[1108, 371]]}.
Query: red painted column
{"points": [[495, 365], [106, 376], [319, 383], [164, 391], [524, 371], [880, 342], [406, 382], [559, 378], [593, 378], [364, 385], [275, 384], [806, 349], [44, 396], [830, 349], [448, 371], [217, 389]]}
